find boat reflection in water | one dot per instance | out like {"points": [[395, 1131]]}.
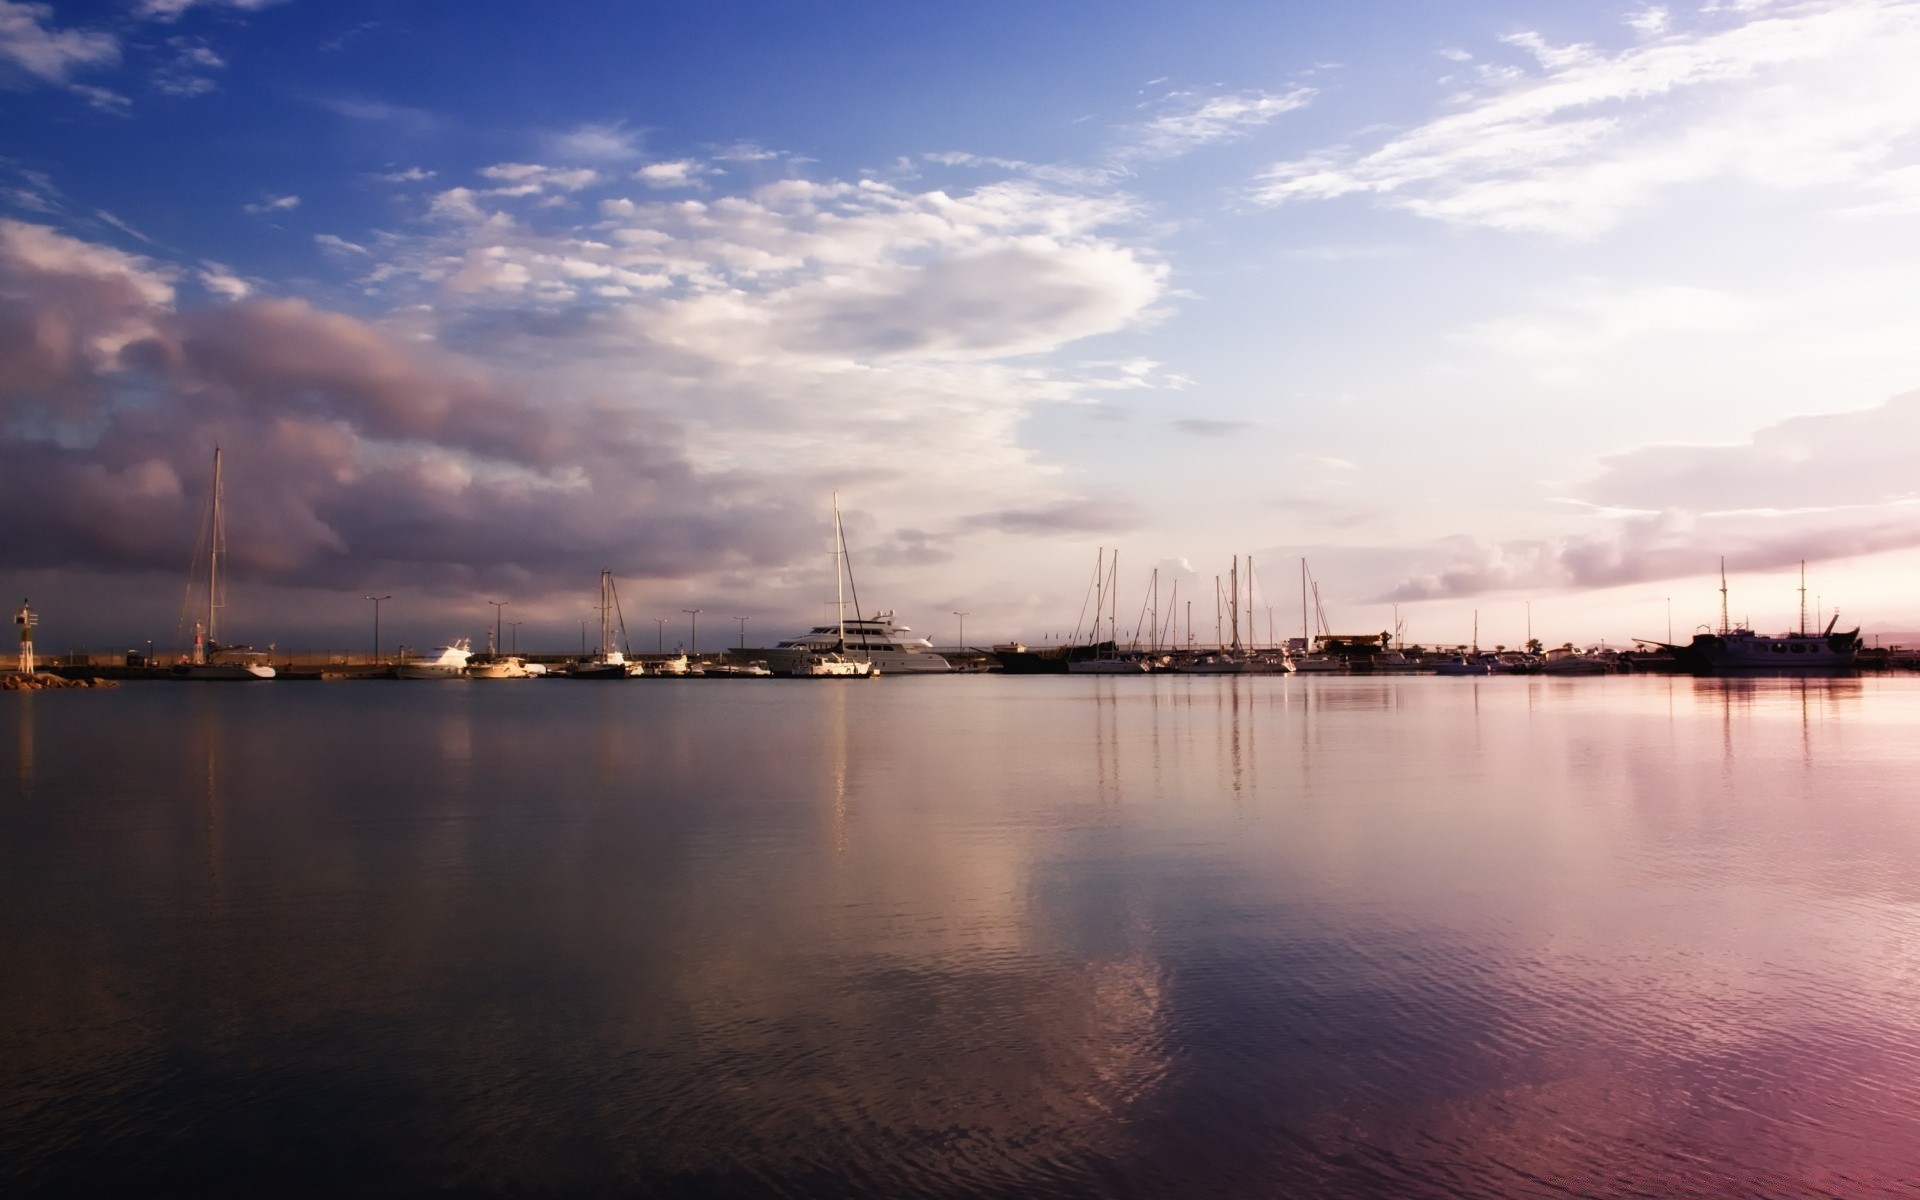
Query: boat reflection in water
{"points": [[1346, 936]]}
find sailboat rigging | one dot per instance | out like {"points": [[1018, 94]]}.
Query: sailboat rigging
{"points": [[210, 660]]}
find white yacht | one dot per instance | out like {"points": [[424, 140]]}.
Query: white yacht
{"points": [[890, 646], [448, 662]]}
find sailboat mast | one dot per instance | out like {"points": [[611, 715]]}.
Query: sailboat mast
{"points": [[1305, 639], [1803, 597], [839, 577], [1233, 602], [213, 550]]}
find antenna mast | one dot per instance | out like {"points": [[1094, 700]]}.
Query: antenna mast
{"points": [[1803, 597]]}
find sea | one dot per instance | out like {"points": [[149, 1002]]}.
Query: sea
{"points": [[971, 936]]}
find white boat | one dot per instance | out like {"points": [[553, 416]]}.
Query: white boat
{"points": [[677, 665], [1108, 666], [1220, 664], [210, 660], [1565, 660], [834, 666], [499, 667], [752, 670], [892, 647], [608, 661], [446, 662]]}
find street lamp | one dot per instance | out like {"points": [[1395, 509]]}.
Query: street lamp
{"points": [[743, 631], [693, 638], [513, 631], [499, 606], [660, 645], [963, 629], [376, 624]]}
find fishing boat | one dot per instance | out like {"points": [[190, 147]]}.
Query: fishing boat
{"points": [[837, 663], [446, 662], [609, 661], [211, 661], [1734, 649]]}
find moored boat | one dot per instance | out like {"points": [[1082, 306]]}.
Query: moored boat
{"points": [[446, 662], [211, 661]]}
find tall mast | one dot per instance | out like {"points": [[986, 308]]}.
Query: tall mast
{"points": [[839, 578], [1803, 597], [1725, 625], [1305, 640], [1233, 603], [1113, 601], [1252, 612], [213, 550], [606, 612]]}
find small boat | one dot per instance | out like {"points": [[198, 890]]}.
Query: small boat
{"points": [[212, 661], [447, 662], [1221, 664], [1565, 660], [1460, 664], [725, 670], [834, 666], [1108, 666], [499, 667], [677, 665]]}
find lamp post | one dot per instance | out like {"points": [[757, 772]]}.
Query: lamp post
{"points": [[963, 629], [660, 646], [376, 624], [499, 606], [513, 631], [743, 631], [693, 637]]}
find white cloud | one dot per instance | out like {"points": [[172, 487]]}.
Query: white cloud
{"points": [[532, 179], [187, 72], [1818, 95], [173, 10], [328, 241], [678, 173], [31, 44], [1811, 488], [221, 281], [273, 204], [406, 175], [1189, 120], [594, 142]]}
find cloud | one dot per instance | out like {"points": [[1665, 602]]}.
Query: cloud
{"points": [[1067, 516], [407, 175], [1817, 96], [35, 191], [1809, 488], [273, 204], [187, 72], [31, 47], [607, 142], [222, 282], [1190, 120], [404, 119], [356, 453], [678, 173], [1210, 428], [329, 241], [173, 10], [532, 179]]}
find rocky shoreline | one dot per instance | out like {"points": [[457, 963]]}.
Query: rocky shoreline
{"points": [[14, 681]]}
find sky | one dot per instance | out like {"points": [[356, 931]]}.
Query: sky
{"points": [[1517, 314]]}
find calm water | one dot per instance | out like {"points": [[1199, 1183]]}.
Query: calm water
{"points": [[961, 937]]}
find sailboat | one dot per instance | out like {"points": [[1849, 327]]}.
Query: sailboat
{"points": [[212, 661], [608, 662], [1106, 596], [836, 663]]}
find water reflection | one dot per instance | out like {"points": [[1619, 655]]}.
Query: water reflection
{"points": [[1242, 936]]}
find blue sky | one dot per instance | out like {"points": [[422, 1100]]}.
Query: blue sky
{"points": [[1475, 306]]}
